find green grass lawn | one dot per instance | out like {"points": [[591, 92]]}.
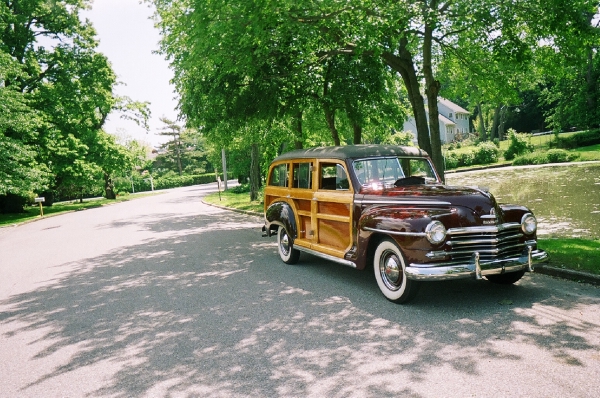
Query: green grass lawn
{"points": [[571, 253], [240, 201], [33, 212]]}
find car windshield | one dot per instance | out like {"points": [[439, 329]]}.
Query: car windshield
{"points": [[387, 171]]}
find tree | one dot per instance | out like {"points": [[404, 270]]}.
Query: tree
{"points": [[20, 172], [171, 128], [61, 89]]}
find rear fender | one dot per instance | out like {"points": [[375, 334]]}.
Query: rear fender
{"points": [[281, 214]]}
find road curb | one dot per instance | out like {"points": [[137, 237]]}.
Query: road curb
{"points": [[248, 212], [568, 274]]}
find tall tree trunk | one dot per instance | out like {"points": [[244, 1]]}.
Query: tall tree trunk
{"points": [[330, 118], [299, 139], [109, 187], [496, 123], [357, 129], [591, 92], [254, 172], [432, 89], [329, 110], [503, 111], [482, 132], [403, 64]]}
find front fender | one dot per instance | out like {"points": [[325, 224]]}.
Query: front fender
{"points": [[281, 214], [398, 220]]}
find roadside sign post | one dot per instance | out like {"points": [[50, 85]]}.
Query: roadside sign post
{"points": [[219, 186], [40, 200]]}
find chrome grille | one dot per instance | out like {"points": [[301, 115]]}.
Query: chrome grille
{"points": [[491, 243]]}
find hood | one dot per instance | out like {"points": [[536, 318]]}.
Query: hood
{"points": [[474, 206]]}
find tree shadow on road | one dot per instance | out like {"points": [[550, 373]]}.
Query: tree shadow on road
{"points": [[195, 311]]}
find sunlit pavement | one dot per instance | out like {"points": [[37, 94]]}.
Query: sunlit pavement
{"points": [[165, 296]]}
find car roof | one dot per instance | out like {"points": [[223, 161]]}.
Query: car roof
{"points": [[352, 152]]}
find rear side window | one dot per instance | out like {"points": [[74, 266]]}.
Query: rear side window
{"points": [[278, 177], [333, 177], [302, 175]]}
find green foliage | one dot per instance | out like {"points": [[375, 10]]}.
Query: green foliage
{"points": [[400, 138], [531, 159], [586, 138], [55, 96], [543, 157], [141, 183], [518, 145], [485, 153], [560, 156]]}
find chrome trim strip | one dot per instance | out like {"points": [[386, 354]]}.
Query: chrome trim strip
{"points": [[384, 231], [447, 271], [402, 202], [326, 256], [485, 229]]}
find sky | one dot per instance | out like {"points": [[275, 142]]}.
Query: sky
{"points": [[128, 37]]}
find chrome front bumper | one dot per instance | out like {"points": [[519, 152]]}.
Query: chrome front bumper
{"points": [[476, 268]]}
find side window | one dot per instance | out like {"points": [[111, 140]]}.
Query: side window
{"points": [[418, 168], [333, 177], [278, 177], [302, 175]]}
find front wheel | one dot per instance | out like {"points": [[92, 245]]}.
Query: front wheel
{"points": [[506, 279], [390, 272], [288, 254]]}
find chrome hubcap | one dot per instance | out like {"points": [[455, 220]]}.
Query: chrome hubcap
{"points": [[285, 243], [390, 269]]}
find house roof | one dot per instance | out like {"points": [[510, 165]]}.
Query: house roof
{"points": [[445, 120], [451, 105]]}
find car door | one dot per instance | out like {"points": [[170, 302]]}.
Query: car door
{"points": [[331, 208]]}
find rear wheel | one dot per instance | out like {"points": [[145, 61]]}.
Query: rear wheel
{"points": [[390, 272], [506, 279], [288, 254]]}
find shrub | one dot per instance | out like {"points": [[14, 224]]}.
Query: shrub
{"points": [[242, 188], [551, 156], [531, 158], [486, 153], [585, 138], [518, 145], [466, 158], [451, 160], [560, 156]]}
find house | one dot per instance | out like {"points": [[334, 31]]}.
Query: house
{"points": [[453, 120]]}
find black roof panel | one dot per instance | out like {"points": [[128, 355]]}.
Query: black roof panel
{"points": [[352, 152]]}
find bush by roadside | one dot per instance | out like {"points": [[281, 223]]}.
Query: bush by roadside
{"points": [[585, 138], [543, 157], [141, 183]]}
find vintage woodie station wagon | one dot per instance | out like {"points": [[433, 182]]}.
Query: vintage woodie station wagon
{"points": [[385, 205]]}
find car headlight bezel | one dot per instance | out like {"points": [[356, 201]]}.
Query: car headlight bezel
{"points": [[435, 232], [528, 224]]}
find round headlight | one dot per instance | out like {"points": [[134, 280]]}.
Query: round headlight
{"points": [[528, 223], [436, 232]]}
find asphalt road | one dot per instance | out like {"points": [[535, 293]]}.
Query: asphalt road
{"points": [[165, 296]]}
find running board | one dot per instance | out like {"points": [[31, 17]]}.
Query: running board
{"points": [[326, 256]]}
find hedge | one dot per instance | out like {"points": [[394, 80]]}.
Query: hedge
{"points": [[142, 183], [585, 138]]}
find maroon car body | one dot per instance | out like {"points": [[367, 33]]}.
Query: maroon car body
{"points": [[385, 205]]}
